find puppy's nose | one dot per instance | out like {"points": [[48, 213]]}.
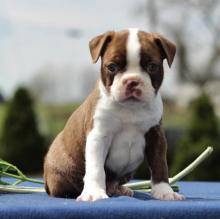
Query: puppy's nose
{"points": [[131, 83]]}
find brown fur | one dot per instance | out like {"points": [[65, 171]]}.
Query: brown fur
{"points": [[167, 48], [64, 166], [154, 49], [115, 53], [156, 149]]}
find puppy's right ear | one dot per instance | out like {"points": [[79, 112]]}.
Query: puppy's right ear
{"points": [[98, 45]]}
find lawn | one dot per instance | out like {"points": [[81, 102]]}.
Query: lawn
{"points": [[52, 118]]}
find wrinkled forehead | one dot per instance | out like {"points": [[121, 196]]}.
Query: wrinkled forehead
{"points": [[131, 44]]}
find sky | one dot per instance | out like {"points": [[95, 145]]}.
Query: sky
{"points": [[52, 34]]}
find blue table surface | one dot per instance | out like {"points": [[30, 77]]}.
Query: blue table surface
{"points": [[202, 201]]}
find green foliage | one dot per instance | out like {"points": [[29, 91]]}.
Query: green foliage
{"points": [[22, 144], [202, 131], [54, 117], [1, 98], [2, 115]]}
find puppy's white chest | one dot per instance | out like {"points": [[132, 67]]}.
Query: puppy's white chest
{"points": [[124, 129], [126, 151]]}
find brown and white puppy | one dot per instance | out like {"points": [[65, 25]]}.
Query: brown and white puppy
{"points": [[108, 136]]}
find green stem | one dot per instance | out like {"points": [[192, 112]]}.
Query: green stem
{"points": [[34, 180], [192, 166], [174, 187], [12, 175], [14, 168], [21, 189], [137, 185], [17, 182], [22, 178], [179, 176]]}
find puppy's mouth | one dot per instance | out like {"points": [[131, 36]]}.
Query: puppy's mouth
{"points": [[132, 99], [132, 102], [133, 95]]}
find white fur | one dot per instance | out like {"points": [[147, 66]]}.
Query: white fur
{"points": [[133, 50], [118, 132], [117, 137], [163, 191], [97, 145], [133, 71], [128, 124], [127, 150]]}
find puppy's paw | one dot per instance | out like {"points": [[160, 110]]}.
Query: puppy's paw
{"points": [[122, 190], [113, 188], [170, 196], [92, 195], [163, 191]]}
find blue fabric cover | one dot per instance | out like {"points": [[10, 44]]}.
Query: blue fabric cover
{"points": [[203, 201]]}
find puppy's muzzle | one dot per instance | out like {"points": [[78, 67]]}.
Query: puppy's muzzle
{"points": [[132, 89]]}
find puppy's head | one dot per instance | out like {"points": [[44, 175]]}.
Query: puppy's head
{"points": [[132, 63]]}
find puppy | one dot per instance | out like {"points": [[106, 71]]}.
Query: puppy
{"points": [[108, 136]]}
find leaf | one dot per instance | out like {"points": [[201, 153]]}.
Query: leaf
{"points": [[5, 166], [3, 182]]}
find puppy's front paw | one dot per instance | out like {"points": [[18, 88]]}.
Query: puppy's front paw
{"points": [[169, 196], [163, 191], [92, 195]]}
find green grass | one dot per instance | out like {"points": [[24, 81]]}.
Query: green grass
{"points": [[176, 119], [52, 118]]}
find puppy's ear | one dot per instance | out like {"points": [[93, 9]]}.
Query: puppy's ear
{"points": [[168, 48], [98, 45]]}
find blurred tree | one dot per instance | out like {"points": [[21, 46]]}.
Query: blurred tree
{"points": [[54, 84], [22, 144], [202, 131], [1, 98], [194, 25]]}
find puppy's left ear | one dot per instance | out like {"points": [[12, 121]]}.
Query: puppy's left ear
{"points": [[98, 45], [168, 48]]}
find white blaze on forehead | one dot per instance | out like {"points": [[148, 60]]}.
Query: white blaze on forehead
{"points": [[133, 50], [118, 90]]}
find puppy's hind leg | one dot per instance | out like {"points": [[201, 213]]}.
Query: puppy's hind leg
{"points": [[62, 177], [58, 186]]}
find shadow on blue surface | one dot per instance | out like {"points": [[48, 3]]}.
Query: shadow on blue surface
{"points": [[142, 196]]}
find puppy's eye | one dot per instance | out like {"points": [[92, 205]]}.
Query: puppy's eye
{"points": [[152, 68], [112, 68]]}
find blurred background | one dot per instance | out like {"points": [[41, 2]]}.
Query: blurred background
{"points": [[46, 72]]}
